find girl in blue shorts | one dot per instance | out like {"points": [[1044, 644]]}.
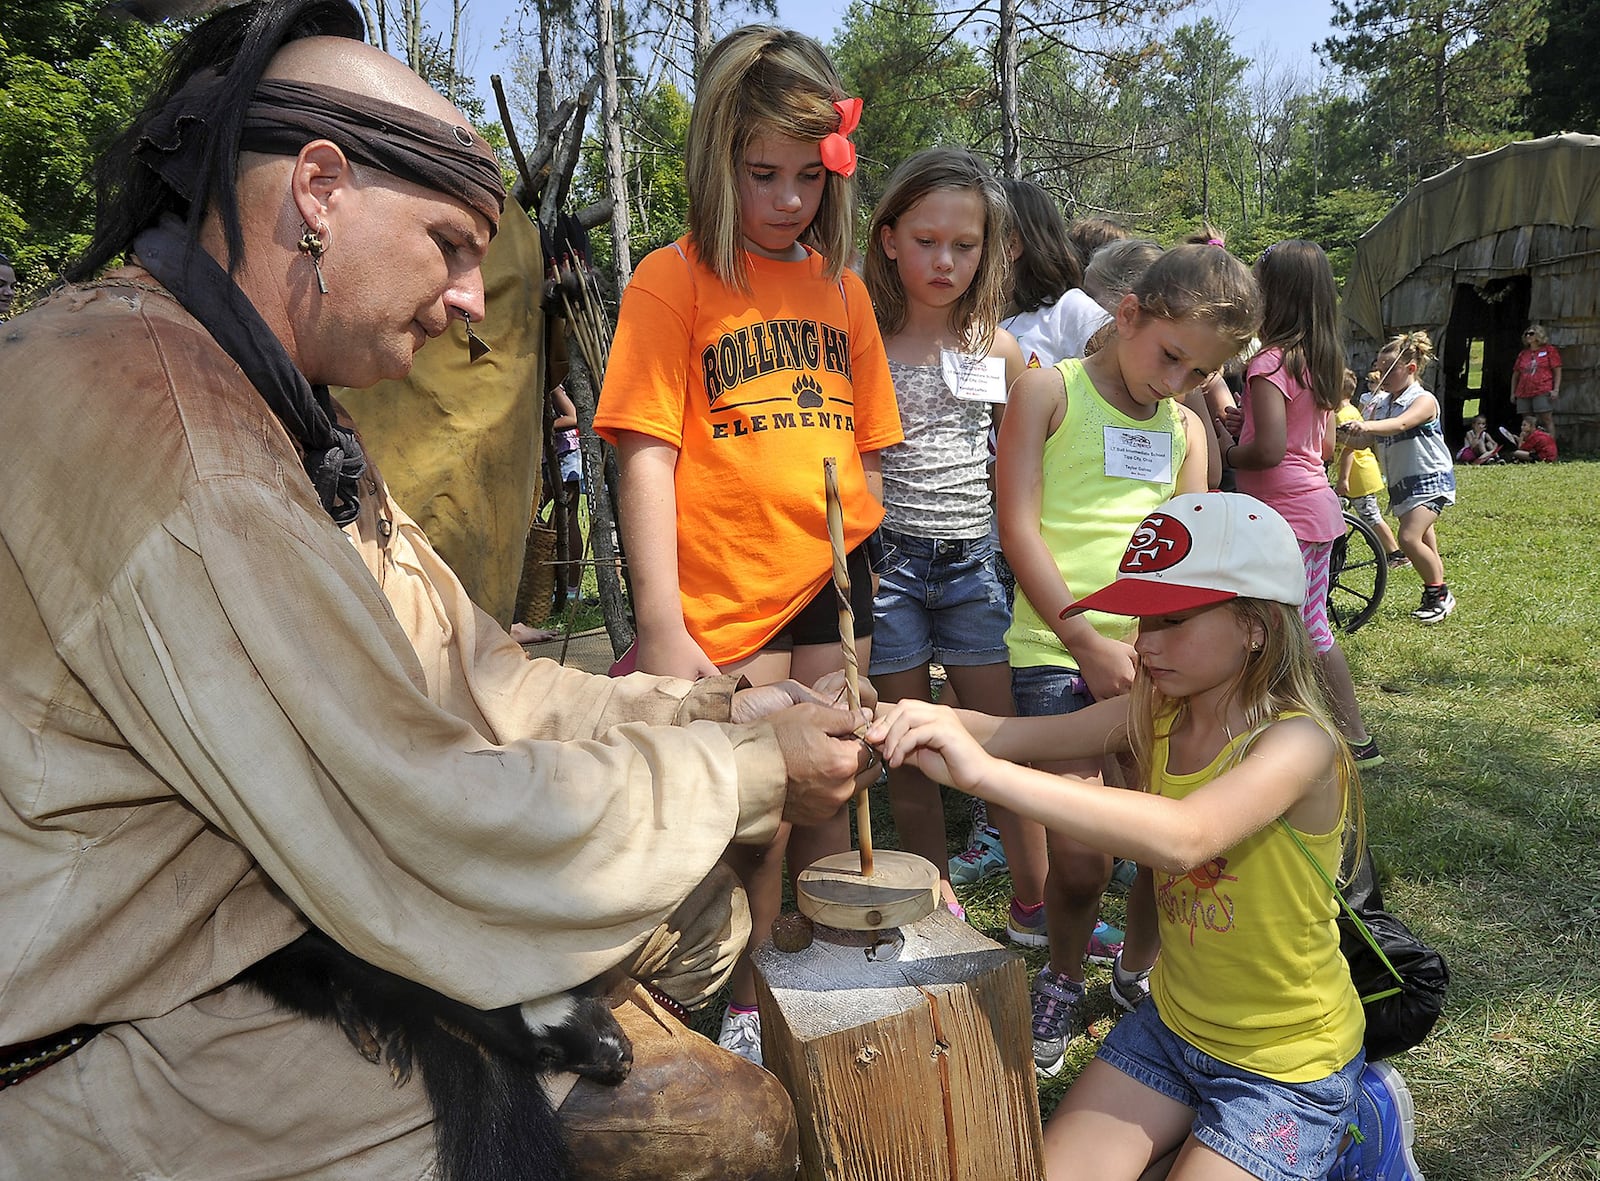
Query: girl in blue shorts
{"points": [[936, 269], [1246, 1060]]}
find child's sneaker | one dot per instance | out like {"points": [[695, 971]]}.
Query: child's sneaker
{"points": [[1437, 603], [1383, 1132], [1129, 989], [1398, 560], [1055, 1019], [741, 1034], [1105, 944], [1366, 755], [1025, 925], [983, 859], [1122, 874]]}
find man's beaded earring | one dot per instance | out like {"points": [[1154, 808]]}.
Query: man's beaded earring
{"points": [[311, 244]]}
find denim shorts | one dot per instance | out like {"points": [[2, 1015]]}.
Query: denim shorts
{"points": [[571, 465], [1048, 689], [1273, 1130], [1366, 507], [938, 599]]}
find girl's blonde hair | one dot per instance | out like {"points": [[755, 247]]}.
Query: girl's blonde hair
{"points": [[1088, 234], [761, 81], [1538, 333], [1116, 267], [1202, 283], [976, 315], [1206, 235], [1302, 316], [1280, 678], [1408, 348]]}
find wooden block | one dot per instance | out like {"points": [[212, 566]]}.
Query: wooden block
{"points": [[917, 1067], [902, 889]]}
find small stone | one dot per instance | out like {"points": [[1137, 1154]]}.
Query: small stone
{"points": [[792, 932]]}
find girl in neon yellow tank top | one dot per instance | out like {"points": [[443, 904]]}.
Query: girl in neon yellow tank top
{"points": [[1246, 1059]]}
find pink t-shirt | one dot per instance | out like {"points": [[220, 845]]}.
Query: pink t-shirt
{"points": [[1298, 486]]}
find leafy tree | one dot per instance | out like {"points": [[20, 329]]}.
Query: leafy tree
{"points": [[1198, 91], [1563, 84], [70, 79], [1440, 77], [921, 86]]}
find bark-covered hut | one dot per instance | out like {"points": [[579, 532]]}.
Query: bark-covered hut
{"points": [[1475, 254]]}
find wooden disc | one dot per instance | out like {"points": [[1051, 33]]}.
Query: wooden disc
{"points": [[902, 889]]}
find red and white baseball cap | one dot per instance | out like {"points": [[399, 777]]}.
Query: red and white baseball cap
{"points": [[1201, 549]]}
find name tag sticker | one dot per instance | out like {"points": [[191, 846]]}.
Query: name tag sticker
{"points": [[974, 379], [1138, 455]]}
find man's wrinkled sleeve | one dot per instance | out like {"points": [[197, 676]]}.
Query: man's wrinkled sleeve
{"points": [[254, 664]]}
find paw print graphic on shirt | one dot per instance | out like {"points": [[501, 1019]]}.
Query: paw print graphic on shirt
{"points": [[807, 393]]}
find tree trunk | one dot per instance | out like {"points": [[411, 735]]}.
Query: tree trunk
{"points": [[610, 119], [702, 33], [1010, 119], [602, 511]]}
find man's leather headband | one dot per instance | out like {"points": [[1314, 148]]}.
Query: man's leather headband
{"points": [[284, 116]]}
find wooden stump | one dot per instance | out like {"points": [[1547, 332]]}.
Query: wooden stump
{"points": [[834, 891], [914, 1067]]}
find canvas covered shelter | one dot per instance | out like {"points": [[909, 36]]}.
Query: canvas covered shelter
{"points": [[459, 440], [1474, 255]]}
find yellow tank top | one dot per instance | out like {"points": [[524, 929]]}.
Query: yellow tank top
{"points": [[1250, 970], [1087, 515], [1365, 475]]}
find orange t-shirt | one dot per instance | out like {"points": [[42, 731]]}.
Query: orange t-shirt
{"points": [[754, 390]]}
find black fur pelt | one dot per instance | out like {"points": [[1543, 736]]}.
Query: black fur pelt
{"points": [[480, 1069]]}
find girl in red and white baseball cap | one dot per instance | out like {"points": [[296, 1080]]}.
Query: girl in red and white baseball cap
{"points": [[1246, 1059]]}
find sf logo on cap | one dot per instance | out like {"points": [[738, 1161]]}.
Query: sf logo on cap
{"points": [[1159, 543]]}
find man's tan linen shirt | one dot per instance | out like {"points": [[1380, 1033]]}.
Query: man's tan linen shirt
{"points": [[218, 711]]}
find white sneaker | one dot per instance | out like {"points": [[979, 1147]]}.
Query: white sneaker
{"points": [[1436, 608], [741, 1035], [1129, 989]]}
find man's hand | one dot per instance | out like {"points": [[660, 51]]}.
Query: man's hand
{"points": [[759, 701], [822, 757], [831, 689]]}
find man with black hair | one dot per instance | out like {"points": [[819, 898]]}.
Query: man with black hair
{"points": [[241, 695], [8, 286]]}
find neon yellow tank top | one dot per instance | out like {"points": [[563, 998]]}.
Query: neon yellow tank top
{"points": [[1087, 516], [1250, 970]]}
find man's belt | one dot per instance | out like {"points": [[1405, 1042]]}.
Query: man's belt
{"points": [[27, 1059]]}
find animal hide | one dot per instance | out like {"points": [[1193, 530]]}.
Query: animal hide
{"points": [[480, 1069]]}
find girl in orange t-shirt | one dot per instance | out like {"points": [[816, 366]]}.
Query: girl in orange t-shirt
{"points": [[745, 354]]}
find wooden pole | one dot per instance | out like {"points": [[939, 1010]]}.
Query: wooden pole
{"points": [[847, 640]]}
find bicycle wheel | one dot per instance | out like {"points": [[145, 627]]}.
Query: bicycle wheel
{"points": [[1358, 573]]}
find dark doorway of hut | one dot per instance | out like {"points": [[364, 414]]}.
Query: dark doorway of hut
{"points": [[1480, 346]]}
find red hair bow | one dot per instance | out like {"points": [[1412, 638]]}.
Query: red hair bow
{"points": [[838, 153]]}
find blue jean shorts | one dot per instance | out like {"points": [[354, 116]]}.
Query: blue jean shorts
{"points": [[1273, 1130], [1048, 689], [938, 599]]}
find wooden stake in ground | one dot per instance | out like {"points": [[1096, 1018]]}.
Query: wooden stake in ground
{"points": [[847, 639]]}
